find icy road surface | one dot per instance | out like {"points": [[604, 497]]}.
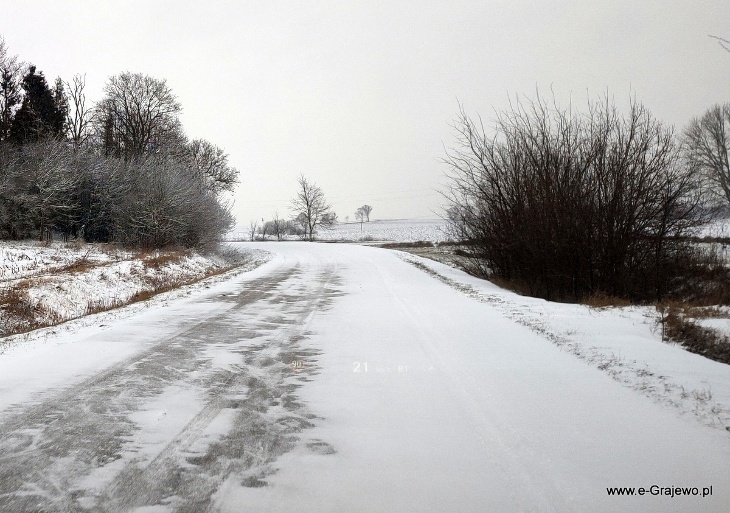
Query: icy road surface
{"points": [[335, 378]]}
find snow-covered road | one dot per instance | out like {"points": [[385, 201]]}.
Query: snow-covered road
{"points": [[335, 378]]}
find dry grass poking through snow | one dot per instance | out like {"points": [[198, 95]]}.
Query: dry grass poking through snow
{"points": [[679, 324], [550, 321], [44, 285], [706, 285]]}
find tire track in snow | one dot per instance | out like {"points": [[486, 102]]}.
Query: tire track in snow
{"points": [[81, 450], [541, 491]]}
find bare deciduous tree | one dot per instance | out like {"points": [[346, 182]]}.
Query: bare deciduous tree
{"points": [[360, 216], [311, 208], [137, 114], [252, 227], [366, 209], [277, 226], [707, 144], [79, 114], [210, 164]]}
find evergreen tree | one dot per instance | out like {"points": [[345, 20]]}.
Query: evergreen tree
{"points": [[60, 100], [10, 97], [39, 115], [10, 92]]}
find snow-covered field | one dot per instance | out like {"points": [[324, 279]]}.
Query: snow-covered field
{"points": [[396, 230], [389, 230]]}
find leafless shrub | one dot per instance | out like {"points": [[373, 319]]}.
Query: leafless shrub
{"points": [[573, 205], [700, 276]]}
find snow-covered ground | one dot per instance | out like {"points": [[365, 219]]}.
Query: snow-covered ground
{"points": [[397, 230], [52, 283], [625, 343], [391, 230], [390, 383]]}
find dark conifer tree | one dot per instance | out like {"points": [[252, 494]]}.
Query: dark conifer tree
{"points": [[10, 97], [59, 122], [39, 114]]}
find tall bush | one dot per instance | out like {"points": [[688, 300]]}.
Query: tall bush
{"points": [[568, 205]]}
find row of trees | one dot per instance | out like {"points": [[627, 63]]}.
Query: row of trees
{"points": [[568, 205], [310, 210], [121, 169]]}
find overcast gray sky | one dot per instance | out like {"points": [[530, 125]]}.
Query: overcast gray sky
{"points": [[358, 95]]}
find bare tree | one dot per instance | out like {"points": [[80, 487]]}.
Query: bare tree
{"points": [[707, 144], [277, 225], [366, 209], [211, 167], [328, 220], [253, 225], [311, 208], [360, 216], [79, 114], [137, 114]]}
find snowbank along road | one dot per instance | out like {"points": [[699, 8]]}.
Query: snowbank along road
{"points": [[336, 378]]}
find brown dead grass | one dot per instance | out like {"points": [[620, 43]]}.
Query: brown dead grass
{"points": [[406, 245], [80, 265], [601, 300], [19, 313], [678, 326], [154, 259], [97, 306], [155, 285], [14, 300]]}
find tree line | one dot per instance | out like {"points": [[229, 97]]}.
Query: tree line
{"points": [[117, 170], [566, 205]]}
